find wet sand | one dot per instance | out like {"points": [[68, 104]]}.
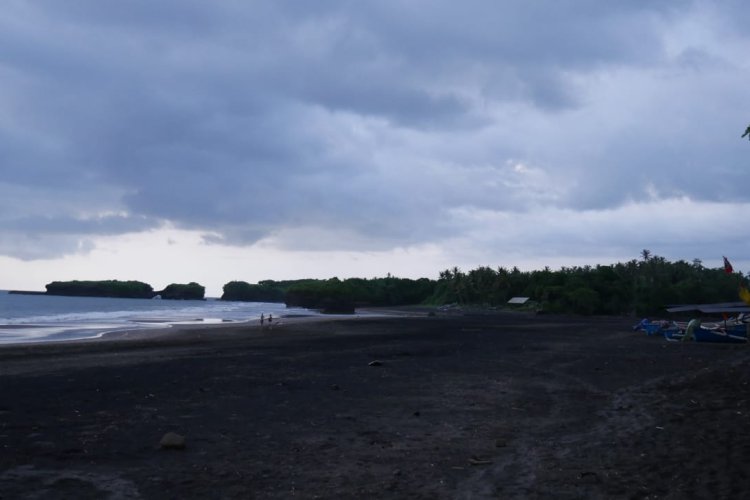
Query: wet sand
{"points": [[462, 406]]}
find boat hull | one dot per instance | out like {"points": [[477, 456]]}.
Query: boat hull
{"points": [[731, 335]]}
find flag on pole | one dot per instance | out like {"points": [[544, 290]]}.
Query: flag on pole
{"points": [[727, 266]]}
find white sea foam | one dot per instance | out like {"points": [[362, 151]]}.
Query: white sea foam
{"points": [[38, 318]]}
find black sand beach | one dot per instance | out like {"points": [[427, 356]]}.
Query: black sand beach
{"points": [[460, 406]]}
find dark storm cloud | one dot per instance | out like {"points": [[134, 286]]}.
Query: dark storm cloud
{"points": [[107, 225], [375, 119]]}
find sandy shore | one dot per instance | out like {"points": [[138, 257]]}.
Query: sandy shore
{"points": [[459, 406]]}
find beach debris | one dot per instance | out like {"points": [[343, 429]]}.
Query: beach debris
{"points": [[478, 461], [375, 363], [335, 387], [172, 441], [416, 414], [589, 477]]}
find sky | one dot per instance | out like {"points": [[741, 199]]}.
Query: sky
{"points": [[181, 140]]}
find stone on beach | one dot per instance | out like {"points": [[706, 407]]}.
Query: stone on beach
{"points": [[172, 441]]}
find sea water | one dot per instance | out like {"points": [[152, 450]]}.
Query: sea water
{"points": [[42, 318]]}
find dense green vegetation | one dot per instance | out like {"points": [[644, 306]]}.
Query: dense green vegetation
{"points": [[264, 291], [329, 296], [636, 287], [336, 296], [191, 291], [108, 288], [333, 295], [641, 286]]}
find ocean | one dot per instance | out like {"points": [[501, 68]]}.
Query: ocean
{"points": [[44, 318]]}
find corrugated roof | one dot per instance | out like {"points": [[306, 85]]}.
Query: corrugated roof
{"points": [[718, 307], [518, 300]]}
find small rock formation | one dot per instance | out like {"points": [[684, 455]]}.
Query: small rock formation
{"points": [[191, 291]]}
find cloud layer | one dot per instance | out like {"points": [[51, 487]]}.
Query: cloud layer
{"points": [[372, 125]]}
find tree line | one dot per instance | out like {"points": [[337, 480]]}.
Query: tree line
{"points": [[334, 295], [642, 286]]}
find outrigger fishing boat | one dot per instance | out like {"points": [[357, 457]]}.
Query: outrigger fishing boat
{"points": [[730, 334], [733, 329]]}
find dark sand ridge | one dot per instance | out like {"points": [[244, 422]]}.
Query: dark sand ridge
{"points": [[459, 406]]}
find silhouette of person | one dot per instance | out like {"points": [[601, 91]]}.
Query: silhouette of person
{"points": [[261, 320]]}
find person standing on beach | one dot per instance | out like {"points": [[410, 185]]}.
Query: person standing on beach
{"points": [[270, 319], [261, 320]]}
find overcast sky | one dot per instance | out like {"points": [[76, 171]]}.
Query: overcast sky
{"points": [[177, 140]]}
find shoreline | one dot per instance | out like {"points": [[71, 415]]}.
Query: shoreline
{"points": [[184, 330], [181, 331], [50, 319]]}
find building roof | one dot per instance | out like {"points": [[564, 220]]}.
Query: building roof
{"points": [[518, 300]]}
